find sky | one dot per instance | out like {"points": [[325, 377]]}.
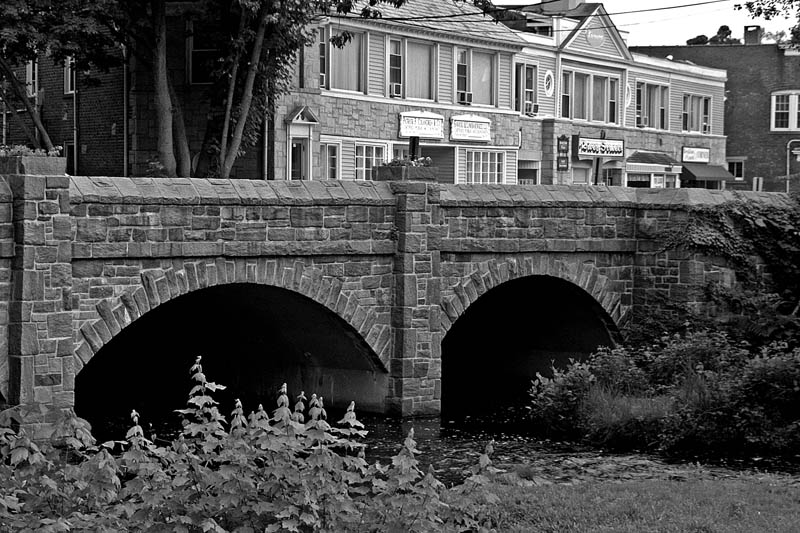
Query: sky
{"points": [[676, 25]]}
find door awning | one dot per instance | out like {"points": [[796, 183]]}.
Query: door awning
{"points": [[699, 172]]}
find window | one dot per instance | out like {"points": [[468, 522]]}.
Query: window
{"points": [[736, 168], [474, 77], [696, 113], [420, 84], [32, 78], [202, 56], [367, 157], [651, 106], [346, 65], [329, 156], [589, 97], [69, 76], [525, 97], [786, 110], [566, 94], [484, 167], [395, 68], [323, 57]]}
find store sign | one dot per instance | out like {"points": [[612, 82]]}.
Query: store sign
{"points": [[599, 147], [562, 163], [696, 155], [421, 124], [470, 128]]}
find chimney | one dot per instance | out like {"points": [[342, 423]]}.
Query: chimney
{"points": [[753, 34]]}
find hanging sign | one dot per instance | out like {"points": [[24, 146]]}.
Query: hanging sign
{"points": [[470, 128], [421, 124]]}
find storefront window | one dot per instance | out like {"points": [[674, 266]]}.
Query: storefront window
{"points": [[367, 157], [484, 167]]}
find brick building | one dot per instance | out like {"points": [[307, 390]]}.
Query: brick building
{"points": [[762, 101], [554, 95]]}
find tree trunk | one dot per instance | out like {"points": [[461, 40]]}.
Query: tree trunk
{"points": [[11, 107], [226, 121], [247, 98], [184, 156], [163, 102], [21, 93]]}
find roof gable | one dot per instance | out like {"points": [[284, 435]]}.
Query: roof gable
{"points": [[597, 35]]}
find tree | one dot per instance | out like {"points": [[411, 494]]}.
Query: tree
{"points": [[700, 39], [28, 27], [723, 36]]}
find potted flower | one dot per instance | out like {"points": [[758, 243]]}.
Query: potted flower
{"points": [[21, 159], [407, 169]]}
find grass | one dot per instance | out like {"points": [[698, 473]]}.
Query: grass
{"points": [[707, 506]]}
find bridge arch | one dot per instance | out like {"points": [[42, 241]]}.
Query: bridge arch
{"points": [[506, 321], [159, 286]]}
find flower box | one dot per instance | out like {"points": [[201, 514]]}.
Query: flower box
{"points": [[405, 173], [33, 165]]}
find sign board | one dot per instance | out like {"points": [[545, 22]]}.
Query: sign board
{"points": [[562, 163], [563, 145], [470, 128], [695, 155], [587, 147], [421, 124]]}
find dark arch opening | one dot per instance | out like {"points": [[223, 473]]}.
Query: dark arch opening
{"points": [[494, 350], [252, 339]]}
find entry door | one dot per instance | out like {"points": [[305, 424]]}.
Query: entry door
{"points": [[299, 158]]}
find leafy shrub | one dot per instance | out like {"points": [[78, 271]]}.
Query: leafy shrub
{"points": [[624, 421], [556, 403], [289, 471], [21, 149]]}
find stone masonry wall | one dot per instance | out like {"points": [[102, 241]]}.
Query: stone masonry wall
{"points": [[398, 261]]}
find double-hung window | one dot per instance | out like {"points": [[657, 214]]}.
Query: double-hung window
{"points": [[696, 113], [652, 103], [591, 97], [475, 77], [421, 57], [32, 78], [736, 168], [69, 76], [346, 64], [329, 159], [484, 166], [525, 96], [395, 68], [785, 111], [368, 156], [202, 56], [322, 44]]}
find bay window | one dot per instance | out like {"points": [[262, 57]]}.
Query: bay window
{"points": [[652, 102], [696, 113], [590, 97], [785, 111]]}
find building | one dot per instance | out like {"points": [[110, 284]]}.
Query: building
{"points": [[551, 96], [761, 104]]}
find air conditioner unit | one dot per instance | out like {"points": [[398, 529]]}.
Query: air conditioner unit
{"points": [[531, 109], [396, 90], [641, 122], [322, 80], [464, 97]]}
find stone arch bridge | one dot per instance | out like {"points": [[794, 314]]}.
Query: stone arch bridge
{"points": [[398, 263]]}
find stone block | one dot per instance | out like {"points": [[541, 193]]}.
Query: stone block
{"points": [[59, 325], [91, 229]]}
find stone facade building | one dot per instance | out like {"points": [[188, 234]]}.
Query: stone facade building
{"points": [[551, 96]]}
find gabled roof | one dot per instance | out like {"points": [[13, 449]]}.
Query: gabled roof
{"points": [[593, 17], [441, 17]]}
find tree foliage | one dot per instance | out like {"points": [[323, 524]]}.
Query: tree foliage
{"points": [[770, 9]]}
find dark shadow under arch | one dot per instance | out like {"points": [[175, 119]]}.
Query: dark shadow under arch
{"points": [[252, 339], [494, 350]]}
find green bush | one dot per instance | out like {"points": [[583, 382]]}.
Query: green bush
{"points": [[698, 394], [289, 471]]}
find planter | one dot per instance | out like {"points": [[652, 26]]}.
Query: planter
{"points": [[33, 165], [405, 173]]}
